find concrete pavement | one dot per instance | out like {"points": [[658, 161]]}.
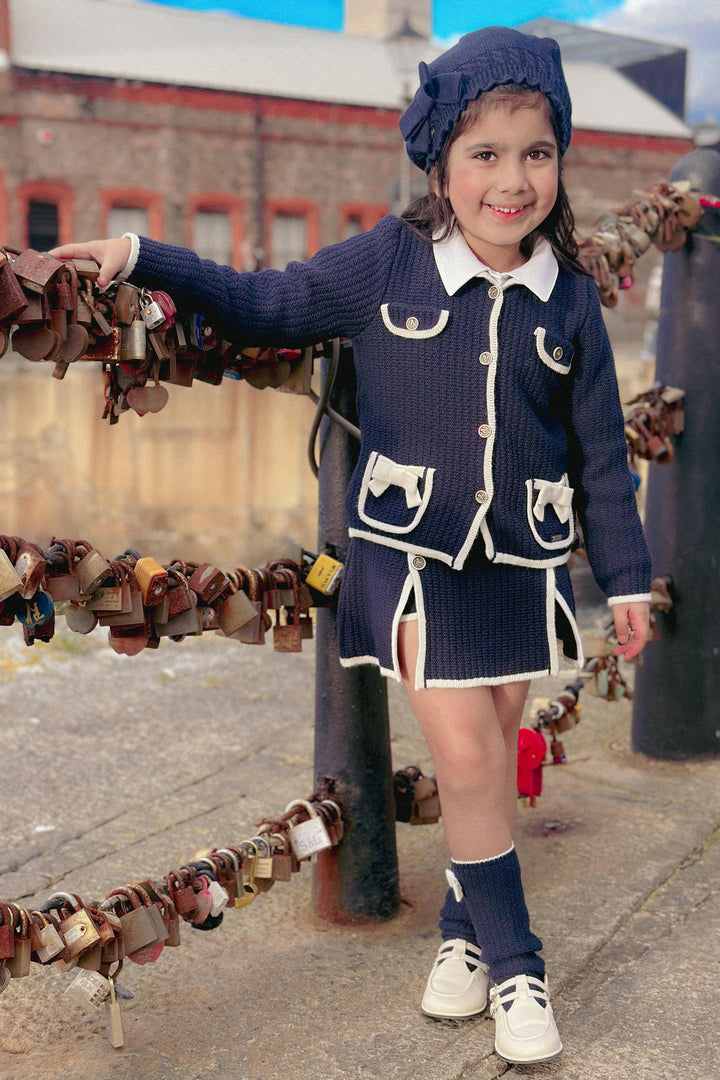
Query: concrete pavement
{"points": [[115, 768]]}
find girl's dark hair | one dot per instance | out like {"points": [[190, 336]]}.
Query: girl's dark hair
{"points": [[432, 218]]}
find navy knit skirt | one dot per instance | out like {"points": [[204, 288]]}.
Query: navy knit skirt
{"points": [[488, 623]]}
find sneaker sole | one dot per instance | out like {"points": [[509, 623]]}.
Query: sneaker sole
{"points": [[530, 1060], [452, 1015]]}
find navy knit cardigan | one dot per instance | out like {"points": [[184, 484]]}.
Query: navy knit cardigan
{"points": [[484, 415]]}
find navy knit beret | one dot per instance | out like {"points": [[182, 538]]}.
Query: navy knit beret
{"points": [[479, 61]]}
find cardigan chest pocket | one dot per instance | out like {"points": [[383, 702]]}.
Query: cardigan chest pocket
{"points": [[554, 351], [394, 497], [550, 512], [413, 322]]}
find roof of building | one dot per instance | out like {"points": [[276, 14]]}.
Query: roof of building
{"points": [[135, 41], [584, 43]]}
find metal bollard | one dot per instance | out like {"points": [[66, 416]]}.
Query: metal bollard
{"points": [[677, 690], [358, 881]]}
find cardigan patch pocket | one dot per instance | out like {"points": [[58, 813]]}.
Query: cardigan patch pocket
{"points": [[413, 322], [554, 351], [550, 512], [394, 497]]}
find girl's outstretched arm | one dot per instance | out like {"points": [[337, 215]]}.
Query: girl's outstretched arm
{"points": [[110, 255], [632, 624]]}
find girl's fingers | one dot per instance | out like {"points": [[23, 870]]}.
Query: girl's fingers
{"points": [[110, 255]]}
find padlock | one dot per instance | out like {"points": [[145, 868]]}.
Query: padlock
{"points": [[426, 804], [77, 929], [149, 953], [187, 622], [19, 964], [532, 749], [44, 938], [325, 574], [150, 311], [251, 632], [89, 988], [36, 611], [285, 862], [182, 894], [249, 889], [171, 920], [92, 570], [133, 339], [80, 620], [7, 933], [263, 867], [235, 885], [235, 611], [203, 899], [310, 836], [332, 814], [10, 580], [208, 582], [152, 579], [138, 930], [30, 565]]}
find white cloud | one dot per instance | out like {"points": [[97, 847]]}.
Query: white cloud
{"points": [[695, 26]]}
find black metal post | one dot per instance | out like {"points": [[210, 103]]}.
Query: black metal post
{"points": [[358, 880], [675, 712]]}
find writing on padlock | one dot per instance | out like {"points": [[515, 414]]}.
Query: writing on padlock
{"points": [[310, 836]]}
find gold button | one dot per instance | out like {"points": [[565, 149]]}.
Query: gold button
{"points": [[481, 496], [557, 353], [484, 431], [418, 562], [485, 358], [411, 323], [493, 292]]}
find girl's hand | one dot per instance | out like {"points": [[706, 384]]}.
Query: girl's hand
{"points": [[110, 255], [632, 624]]}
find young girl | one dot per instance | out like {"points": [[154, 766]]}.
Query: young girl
{"points": [[490, 417]]}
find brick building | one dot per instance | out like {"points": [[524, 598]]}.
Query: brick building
{"points": [[254, 143]]}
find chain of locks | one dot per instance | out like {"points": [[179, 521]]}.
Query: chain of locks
{"points": [[139, 920], [651, 418], [662, 216], [52, 310], [141, 601]]}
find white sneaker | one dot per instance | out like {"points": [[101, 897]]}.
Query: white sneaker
{"points": [[526, 1031], [454, 991]]}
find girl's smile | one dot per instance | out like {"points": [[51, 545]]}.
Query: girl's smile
{"points": [[502, 179]]}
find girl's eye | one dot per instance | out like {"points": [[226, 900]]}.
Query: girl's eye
{"points": [[484, 155], [538, 155]]}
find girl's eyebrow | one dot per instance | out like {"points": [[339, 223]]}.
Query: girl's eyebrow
{"points": [[541, 144]]}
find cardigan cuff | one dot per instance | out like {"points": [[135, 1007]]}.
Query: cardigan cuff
{"points": [[133, 257], [637, 598]]}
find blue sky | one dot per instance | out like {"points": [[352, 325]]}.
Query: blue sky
{"points": [[695, 26], [450, 17]]}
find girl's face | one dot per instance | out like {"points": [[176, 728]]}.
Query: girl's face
{"points": [[502, 179]]}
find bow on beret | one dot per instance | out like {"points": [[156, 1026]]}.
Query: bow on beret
{"points": [[481, 60]]}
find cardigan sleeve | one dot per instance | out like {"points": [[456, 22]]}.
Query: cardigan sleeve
{"points": [[335, 293], [598, 469]]}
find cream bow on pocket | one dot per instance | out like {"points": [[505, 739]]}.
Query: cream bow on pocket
{"points": [[559, 496], [386, 472]]}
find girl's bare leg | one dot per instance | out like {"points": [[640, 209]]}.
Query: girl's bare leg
{"points": [[471, 733]]}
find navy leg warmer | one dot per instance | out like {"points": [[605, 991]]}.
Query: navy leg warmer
{"points": [[493, 892]]}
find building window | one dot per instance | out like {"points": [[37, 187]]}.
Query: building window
{"points": [[288, 240], [212, 236], [292, 231], [124, 219], [43, 226], [351, 227]]}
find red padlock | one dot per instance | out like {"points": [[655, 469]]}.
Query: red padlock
{"points": [[532, 749]]}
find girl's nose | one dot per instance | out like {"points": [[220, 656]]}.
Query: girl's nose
{"points": [[512, 176]]}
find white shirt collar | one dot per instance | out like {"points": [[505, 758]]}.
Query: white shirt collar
{"points": [[458, 264]]}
